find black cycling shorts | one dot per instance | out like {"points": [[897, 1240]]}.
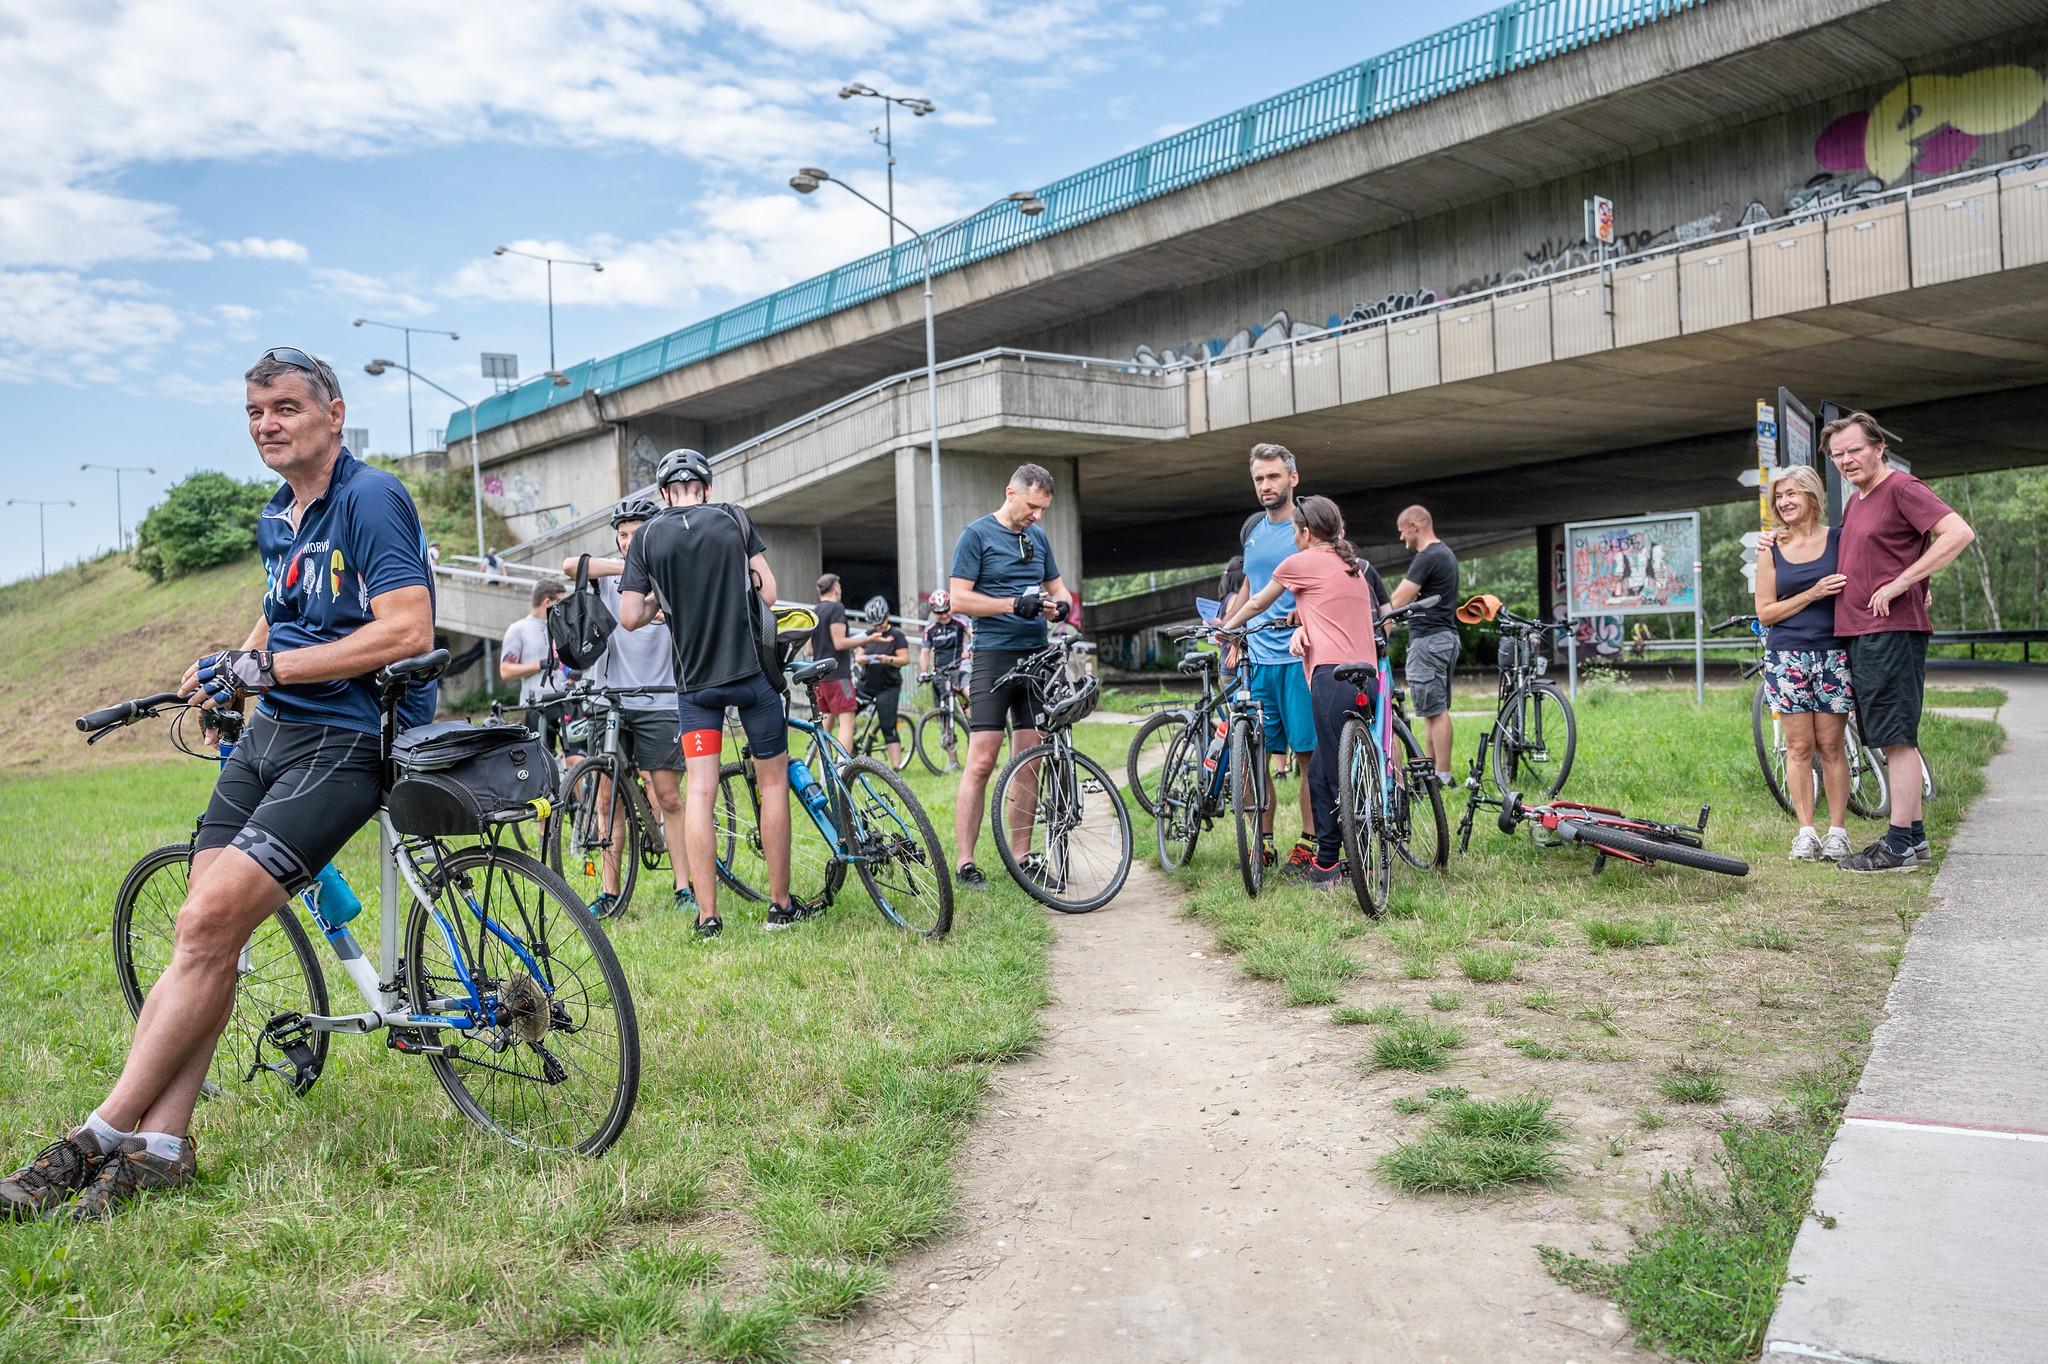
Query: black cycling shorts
{"points": [[702, 714], [885, 703], [990, 706], [291, 796]]}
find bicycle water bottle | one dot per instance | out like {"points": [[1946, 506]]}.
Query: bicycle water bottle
{"points": [[1215, 753], [807, 789], [334, 904]]}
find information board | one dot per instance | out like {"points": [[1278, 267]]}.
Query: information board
{"points": [[1641, 565]]}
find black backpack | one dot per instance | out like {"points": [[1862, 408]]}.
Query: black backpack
{"points": [[767, 648], [580, 625]]}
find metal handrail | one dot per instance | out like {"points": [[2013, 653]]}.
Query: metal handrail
{"points": [[1517, 34]]}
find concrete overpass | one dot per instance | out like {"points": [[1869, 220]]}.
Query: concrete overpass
{"points": [[1837, 196]]}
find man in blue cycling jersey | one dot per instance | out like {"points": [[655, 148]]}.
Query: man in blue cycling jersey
{"points": [[347, 591]]}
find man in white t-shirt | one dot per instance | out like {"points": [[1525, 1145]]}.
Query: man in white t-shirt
{"points": [[650, 729], [527, 657]]}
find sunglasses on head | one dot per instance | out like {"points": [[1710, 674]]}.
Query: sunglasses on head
{"points": [[291, 355]]}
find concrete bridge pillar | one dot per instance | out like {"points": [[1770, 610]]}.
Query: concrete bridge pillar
{"points": [[972, 486], [796, 559]]}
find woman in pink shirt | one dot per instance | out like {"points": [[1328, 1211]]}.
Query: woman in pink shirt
{"points": [[1335, 609]]}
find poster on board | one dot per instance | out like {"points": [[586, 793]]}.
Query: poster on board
{"points": [[1639, 565]]}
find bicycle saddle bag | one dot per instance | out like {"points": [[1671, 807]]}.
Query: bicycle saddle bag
{"points": [[455, 779], [1513, 653]]}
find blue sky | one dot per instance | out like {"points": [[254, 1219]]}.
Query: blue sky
{"points": [[185, 185]]}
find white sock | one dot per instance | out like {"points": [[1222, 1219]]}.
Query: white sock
{"points": [[1444, 777], [1807, 829], [1834, 829], [110, 1136], [163, 1145]]}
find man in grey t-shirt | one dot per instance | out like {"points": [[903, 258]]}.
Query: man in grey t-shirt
{"points": [[650, 732]]}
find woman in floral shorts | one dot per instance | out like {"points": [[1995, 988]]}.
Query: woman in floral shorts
{"points": [[1806, 668]]}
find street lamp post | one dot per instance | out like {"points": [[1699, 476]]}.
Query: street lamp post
{"points": [[120, 521], [552, 262], [806, 181], [412, 443], [919, 107], [42, 533]]}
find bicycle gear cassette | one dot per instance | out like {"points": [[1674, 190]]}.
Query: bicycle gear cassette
{"points": [[523, 1006]]}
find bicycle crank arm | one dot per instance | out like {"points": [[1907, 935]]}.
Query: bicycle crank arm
{"points": [[366, 1022]]}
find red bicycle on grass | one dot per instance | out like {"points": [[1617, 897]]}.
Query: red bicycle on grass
{"points": [[1614, 834]]}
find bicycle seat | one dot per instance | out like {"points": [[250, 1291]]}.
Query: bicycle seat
{"points": [[805, 674], [425, 668], [1362, 676], [1199, 663]]}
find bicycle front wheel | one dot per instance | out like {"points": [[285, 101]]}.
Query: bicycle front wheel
{"points": [[901, 862], [1177, 812], [936, 738], [553, 1062], [1534, 740], [1073, 828], [1422, 835], [594, 837], [277, 972], [1634, 843], [1247, 780], [1361, 813], [1143, 765], [1770, 750]]}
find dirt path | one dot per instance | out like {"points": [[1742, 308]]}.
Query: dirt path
{"points": [[1183, 1172]]}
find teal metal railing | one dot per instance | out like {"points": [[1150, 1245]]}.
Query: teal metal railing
{"points": [[1491, 44]]}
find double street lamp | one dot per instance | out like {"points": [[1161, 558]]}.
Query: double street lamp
{"points": [[42, 531], [887, 134], [120, 521], [552, 262], [412, 444], [806, 181]]}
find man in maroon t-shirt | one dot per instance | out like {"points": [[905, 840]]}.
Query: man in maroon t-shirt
{"points": [[1882, 615]]}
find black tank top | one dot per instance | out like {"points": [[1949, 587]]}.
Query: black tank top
{"points": [[1813, 626]]}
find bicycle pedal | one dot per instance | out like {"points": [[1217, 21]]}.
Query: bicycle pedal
{"points": [[410, 1042], [290, 1034]]}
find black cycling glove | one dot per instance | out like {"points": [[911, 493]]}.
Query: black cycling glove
{"points": [[231, 674], [1061, 610], [1029, 604]]}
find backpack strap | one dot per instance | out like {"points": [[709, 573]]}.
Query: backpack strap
{"points": [[1244, 533]]}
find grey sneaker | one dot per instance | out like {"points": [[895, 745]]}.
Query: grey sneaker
{"points": [[131, 1171], [1806, 847], [1835, 846], [1877, 859], [1923, 851], [55, 1173]]}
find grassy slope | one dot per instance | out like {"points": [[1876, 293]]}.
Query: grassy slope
{"points": [[1770, 983], [801, 1100], [86, 637]]}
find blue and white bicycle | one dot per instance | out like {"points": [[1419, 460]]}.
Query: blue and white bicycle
{"points": [[498, 976]]}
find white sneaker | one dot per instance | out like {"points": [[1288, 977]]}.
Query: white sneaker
{"points": [[1806, 847], [1835, 846]]}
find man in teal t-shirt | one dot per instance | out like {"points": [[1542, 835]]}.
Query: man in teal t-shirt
{"points": [[1274, 674]]}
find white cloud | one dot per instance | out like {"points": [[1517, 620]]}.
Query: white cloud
{"points": [[236, 313], [368, 290], [256, 248], [57, 325]]}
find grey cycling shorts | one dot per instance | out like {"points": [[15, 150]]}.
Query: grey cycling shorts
{"points": [[1431, 660]]}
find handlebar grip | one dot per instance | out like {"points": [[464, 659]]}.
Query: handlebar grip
{"points": [[126, 710]]}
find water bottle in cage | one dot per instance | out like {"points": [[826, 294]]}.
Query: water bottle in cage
{"points": [[1216, 743], [807, 789]]}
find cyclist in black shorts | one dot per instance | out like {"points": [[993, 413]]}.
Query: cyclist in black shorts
{"points": [[1003, 575], [881, 679], [348, 591], [947, 640]]}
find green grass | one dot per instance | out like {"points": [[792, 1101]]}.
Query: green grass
{"points": [[1484, 964], [1772, 938], [1473, 1145], [1703, 1284], [1691, 1083], [1658, 932], [802, 1103], [1538, 1051], [1446, 1000], [1416, 1044]]}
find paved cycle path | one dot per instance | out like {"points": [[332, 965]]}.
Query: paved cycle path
{"points": [[1937, 1183], [1183, 1172]]}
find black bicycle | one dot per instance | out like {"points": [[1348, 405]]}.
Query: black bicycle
{"points": [[1060, 825], [1214, 766], [939, 729], [1145, 763], [1534, 734]]}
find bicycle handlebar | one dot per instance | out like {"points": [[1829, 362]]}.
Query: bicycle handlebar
{"points": [[139, 709], [1730, 624]]}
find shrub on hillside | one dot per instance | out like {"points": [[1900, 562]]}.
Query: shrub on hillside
{"points": [[207, 519], [447, 507]]}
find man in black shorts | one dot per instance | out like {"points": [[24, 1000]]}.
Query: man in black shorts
{"points": [[881, 681], [947, 639], [695, 563], [1004, 576], [347, 591]]}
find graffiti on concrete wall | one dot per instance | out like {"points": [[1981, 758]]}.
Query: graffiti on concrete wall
{"points": [[1925, 125], [641, 460]]}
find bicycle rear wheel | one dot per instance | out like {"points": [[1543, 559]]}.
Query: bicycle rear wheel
{"points": [[596, 823], [278, 972], [1362, 814], [937, 739], [1177, 813], [1422, 835], [1142, 765], [1636, 843], [556, 1064], [1534, 740], [1247, 789], [907, 877], [1078, 846]]}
